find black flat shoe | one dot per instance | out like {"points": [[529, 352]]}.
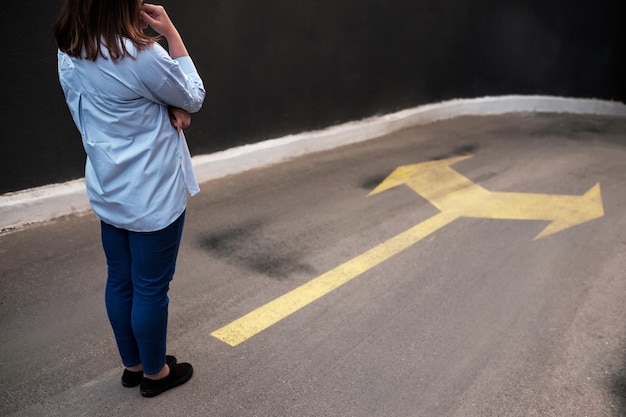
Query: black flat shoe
{"points": [[133, 378], [179, 374]]}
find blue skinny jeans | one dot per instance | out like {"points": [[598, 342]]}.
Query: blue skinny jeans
{"points": [[140, 268]]}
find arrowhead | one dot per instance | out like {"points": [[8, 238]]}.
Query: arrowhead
{"points": [[589, 207], [403, 174], [399, 176]]}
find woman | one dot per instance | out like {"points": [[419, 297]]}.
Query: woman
{"points": [[130, 100]]}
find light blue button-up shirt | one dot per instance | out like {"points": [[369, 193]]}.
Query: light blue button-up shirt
{"points": [[138, 169]]}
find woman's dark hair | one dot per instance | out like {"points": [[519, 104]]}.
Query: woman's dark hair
{"points": [[85, 27]]}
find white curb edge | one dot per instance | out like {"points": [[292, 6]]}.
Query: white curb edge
{"points": [[51, 201]]}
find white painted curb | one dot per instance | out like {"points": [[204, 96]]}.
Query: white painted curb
{"points": [[56, 200]]}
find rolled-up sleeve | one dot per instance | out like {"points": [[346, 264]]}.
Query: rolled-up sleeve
{"points": [[174, 82], [197, 98]]}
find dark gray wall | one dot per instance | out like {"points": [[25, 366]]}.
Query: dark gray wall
{"points": [[285, 66]]}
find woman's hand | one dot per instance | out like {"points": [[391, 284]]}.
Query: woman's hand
{"points": [[180, 119], [157, 18]]}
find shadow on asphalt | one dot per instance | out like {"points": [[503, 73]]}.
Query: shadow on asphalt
{"points": [[246, 246], [617, 387]]}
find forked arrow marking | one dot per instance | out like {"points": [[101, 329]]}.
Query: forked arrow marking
{"points": [[455, 196]]}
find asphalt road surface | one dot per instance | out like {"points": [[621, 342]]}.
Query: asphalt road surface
{"points": [[484, 278]]}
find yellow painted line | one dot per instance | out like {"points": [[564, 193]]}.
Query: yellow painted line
{"points": [[455, 196], [263, 317]]}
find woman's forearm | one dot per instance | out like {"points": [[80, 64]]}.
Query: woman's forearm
{"points": [[175, 45]]}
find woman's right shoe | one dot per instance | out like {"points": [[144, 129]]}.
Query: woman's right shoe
{"points": [[179, 374]]}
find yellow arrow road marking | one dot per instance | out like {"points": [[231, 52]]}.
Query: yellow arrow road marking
{"points": [[452, 192], [455, 196]]}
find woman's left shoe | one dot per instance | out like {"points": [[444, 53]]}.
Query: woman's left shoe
{"points": [[132, 379]]}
